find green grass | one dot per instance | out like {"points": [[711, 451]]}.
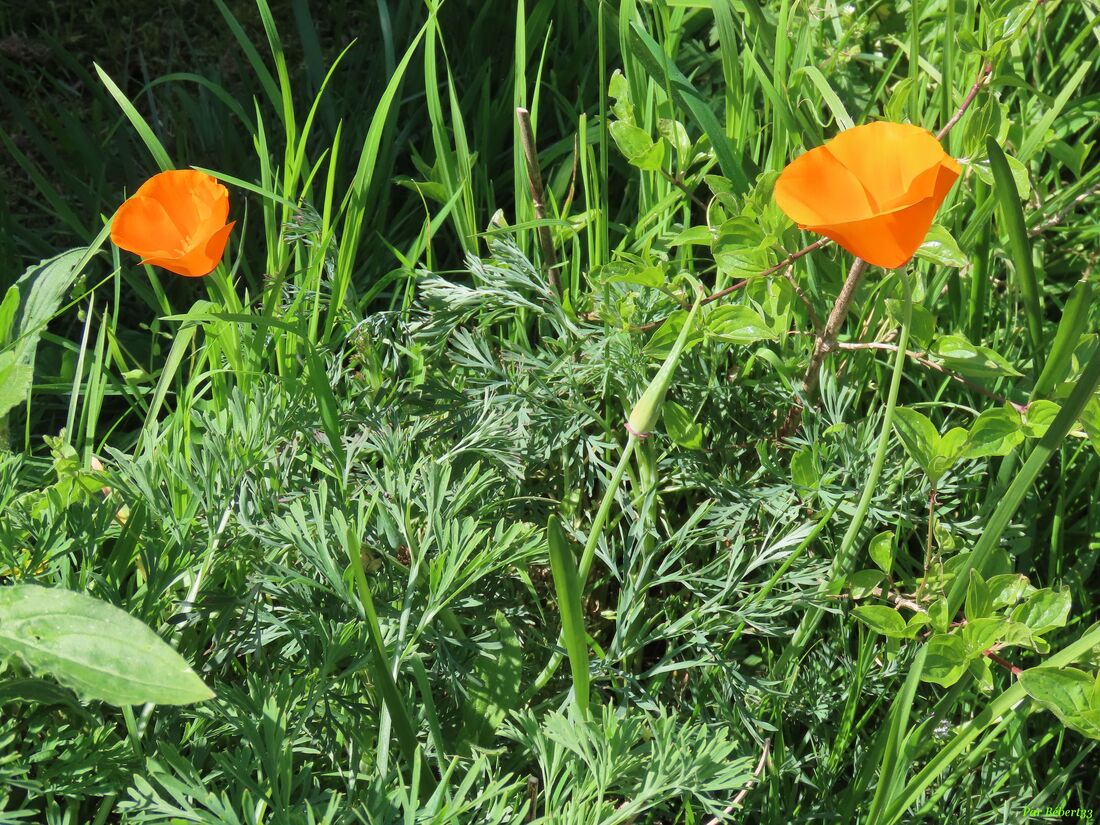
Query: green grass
{"points": [[372, 479]]}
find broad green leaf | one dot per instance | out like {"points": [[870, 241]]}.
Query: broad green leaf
{"points": [[676, 135], [881, 619], [637, 146], [1090, 420], [1044, 610], [628, 272], [940, 247], [995, 432], [882, 551], [982, 634], [1007, 588], [660, 343], [946, 660], [980, 669], [803, 469], [692, 236], [916, 623], [740, 248], [862, 582], [918, 435], [1065, 692], [978, 600], [937, 612], [680, 426], [15, 382], [1020, 180], [94, 648], [8, 308], [959, 355], [41, 290], [1038, 418], [1015, 634], [922, 323], [948, 452], [739, 324], [618, 88]]}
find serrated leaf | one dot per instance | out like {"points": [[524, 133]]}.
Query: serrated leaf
{"points": [[94, 648], [881, 619], [739, 324], [940, 247], [946, 660]]}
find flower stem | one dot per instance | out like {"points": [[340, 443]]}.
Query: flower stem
{"points": [[824, 343], [842, 562]]}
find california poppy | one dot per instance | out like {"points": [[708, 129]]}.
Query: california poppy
{"points": [[176, 220], [873, 189]]}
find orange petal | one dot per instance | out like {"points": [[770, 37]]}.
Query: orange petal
{"points": [[872, 239], [889, 239], [873, 189], [816, 188], [199, 261], [142, 225], [886, 157], [187, 197]]}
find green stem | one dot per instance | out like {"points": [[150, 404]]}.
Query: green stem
{"points": [[844, 558], [588, 555], [642, 418], [402, 721]]}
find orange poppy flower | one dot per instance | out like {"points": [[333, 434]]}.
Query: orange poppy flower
{"points": [[176, 220], [873, 189]]}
